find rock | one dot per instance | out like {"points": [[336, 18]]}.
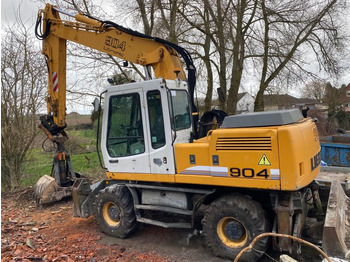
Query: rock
{"points": [[347, 256], [334, 259], [29, 243], [35, 259], [286, 258], [5, 249]]}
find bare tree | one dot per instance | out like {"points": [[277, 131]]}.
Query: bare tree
{"points": [[243, 17], [147, 14], [268, 42], [210, 19], [198, 41], [332, 99], [218, 15], [23, 84], [273, 37], [315, 90], [286, 32]]}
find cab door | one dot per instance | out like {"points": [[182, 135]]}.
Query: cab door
{"points": [[124, 139], [169, 123], [161, 151]]}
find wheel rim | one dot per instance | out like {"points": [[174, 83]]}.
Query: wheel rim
{"points": [[111, 214], [232, 232]]}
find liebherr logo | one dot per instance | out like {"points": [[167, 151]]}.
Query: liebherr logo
{"points": [[115, 43]]}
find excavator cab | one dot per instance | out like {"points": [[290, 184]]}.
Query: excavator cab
{"points": [[141, 124]]}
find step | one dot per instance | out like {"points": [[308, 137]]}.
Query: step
{"points": [[165, 209], [163, 224]]}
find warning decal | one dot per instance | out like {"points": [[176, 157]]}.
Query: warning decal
{"points": [[264, 161], [55, 81]]}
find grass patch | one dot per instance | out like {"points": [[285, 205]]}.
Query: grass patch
{"points": [[85, 161], [89, 134], [38, 163], [86, 164]]}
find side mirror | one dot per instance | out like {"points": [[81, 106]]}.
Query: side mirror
{"points": [[96, 104]]}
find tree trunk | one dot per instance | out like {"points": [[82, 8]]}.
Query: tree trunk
{"points": [[259, 100], [209, 94], [238, 59], [206, 60]]}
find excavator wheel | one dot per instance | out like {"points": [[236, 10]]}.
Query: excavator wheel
{"points": [[114, 211], [230, 223]]}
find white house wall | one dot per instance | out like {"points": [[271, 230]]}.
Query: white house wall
{"points": [[246, 104]]}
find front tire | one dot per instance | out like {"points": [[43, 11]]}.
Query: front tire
{"points": [[231, 223], [114, 211]]}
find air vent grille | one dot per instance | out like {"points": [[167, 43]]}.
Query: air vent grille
{"points": [[243, 143]]}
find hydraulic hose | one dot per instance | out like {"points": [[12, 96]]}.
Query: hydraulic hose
{"points": [[38, 32]]}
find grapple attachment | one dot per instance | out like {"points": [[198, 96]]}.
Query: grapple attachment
{"points": [[46, 190]]}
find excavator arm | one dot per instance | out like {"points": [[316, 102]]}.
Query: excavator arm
{"points": [[109, 38]]}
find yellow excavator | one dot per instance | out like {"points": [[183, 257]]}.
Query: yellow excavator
{"points": [[229, 177]]}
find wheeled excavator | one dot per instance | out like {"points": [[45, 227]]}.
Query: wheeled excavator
{"points": [[229, 177]]}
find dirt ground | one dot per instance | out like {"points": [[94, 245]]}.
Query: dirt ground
{"points": [[53, 234]]}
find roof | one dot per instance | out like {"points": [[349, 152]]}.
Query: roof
{"points": [[286, 100], [216, 102], [267, 118], [240, 95]]}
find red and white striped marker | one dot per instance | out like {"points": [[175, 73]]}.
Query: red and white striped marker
{"points": [[55, 81]]}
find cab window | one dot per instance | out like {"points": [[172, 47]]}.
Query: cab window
{"points": [[156, 120], [179, 110], [125, 132]]}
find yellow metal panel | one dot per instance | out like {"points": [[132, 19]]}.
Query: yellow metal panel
{"points": [[282, 157], [239, 152], [55, 49], [299, 145], [183, 152]]}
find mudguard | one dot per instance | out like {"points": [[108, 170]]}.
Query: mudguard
{"points": [[84, 196]]}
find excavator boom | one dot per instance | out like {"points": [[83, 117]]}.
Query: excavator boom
{"points": [[109, 38]]}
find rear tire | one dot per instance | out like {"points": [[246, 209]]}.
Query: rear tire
{"points": [[231, 223], [114, 211]]}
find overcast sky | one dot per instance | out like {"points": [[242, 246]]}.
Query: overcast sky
{"points": [[28, 9]]}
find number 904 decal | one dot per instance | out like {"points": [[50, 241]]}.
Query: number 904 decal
{"points": [[248, 173]]}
